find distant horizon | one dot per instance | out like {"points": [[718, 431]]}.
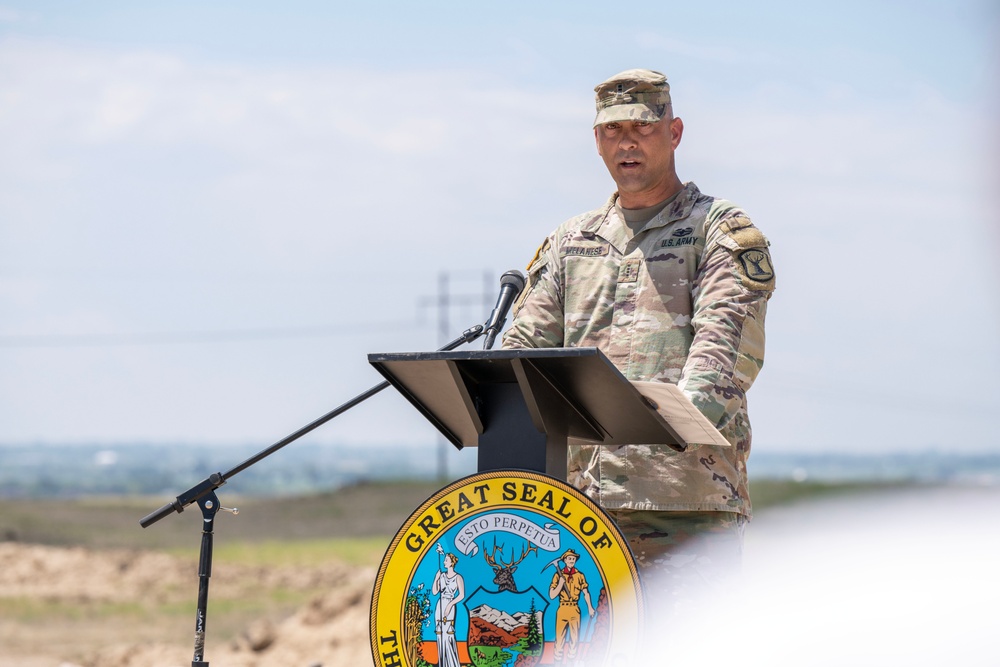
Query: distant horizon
{"points": [[98, 469], [942, 450]]}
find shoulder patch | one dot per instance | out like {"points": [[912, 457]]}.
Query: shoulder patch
{"points": [[538, 261], [535, 266], [755, 264], [749, 248]]}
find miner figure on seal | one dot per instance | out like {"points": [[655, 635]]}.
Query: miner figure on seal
{"points": [[569, 585]]}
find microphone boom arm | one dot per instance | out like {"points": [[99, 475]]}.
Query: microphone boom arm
{"points": [[215, 480]]}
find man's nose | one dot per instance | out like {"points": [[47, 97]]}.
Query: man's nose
{"points": [[627, 138]]}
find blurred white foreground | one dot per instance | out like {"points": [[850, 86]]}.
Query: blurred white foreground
{"points": [[905, 578]]}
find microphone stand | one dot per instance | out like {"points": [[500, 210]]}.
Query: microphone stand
{"points": [[204, 494]]}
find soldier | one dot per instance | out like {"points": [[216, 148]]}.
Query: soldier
{"points": [[569, 585], [672, 285]]}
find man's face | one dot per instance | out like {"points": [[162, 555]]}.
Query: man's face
{"points": [[570, 561], [640, 158]]}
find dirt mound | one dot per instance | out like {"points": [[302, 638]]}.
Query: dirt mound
{"points": [[331, 629]]}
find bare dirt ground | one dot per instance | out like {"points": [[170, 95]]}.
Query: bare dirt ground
{"points": [[82, 585], [79, 607], [75, 591]]}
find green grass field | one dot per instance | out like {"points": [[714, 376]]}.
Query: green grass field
{"points": [[353, 524]]}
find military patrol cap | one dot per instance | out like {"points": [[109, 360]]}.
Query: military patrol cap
{"points": [[635, 94]]}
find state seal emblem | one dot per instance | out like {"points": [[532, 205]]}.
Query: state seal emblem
{"points": [[506, 569]]}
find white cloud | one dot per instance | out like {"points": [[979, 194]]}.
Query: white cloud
{"points": [[303, 145], [10, 15], [209, 195]]}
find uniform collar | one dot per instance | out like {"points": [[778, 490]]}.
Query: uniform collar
{"points": [[609, 225]]}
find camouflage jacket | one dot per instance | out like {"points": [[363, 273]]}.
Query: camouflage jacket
{"points": [[681, 300]]}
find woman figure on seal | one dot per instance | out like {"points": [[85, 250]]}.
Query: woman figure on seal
{"points": [[451, 587]]}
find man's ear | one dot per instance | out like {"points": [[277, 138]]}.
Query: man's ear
{"points": [[676, 131]]}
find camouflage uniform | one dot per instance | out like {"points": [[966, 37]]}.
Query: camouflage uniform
{"points": [[681, 299]]}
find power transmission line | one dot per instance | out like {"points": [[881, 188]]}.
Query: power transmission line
{"points": [[194, 337]]}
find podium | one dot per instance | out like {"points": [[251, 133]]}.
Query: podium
{"points": [[521, 407]]}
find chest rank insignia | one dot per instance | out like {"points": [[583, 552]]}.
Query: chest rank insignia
{"points": [[757, 265], [628, 272]]}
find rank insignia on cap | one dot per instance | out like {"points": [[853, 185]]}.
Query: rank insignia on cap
{"points": [[756, 265]]}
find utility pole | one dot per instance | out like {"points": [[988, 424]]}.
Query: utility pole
{"points": [[444, 330], [444, 301]]}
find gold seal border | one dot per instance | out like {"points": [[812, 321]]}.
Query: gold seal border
{"points": [[516, 475]]}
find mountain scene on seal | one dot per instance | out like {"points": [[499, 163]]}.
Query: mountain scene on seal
{"points": [[493, 627]]}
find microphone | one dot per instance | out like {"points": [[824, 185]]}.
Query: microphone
{"points": [[511, 284]]}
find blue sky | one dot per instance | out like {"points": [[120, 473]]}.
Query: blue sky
{"points": [[211, 212]]}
